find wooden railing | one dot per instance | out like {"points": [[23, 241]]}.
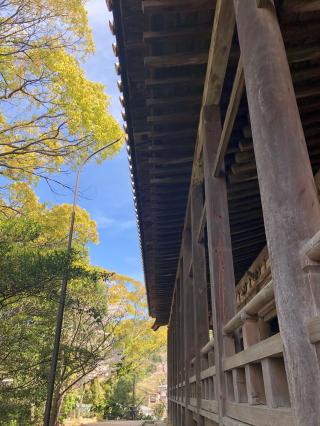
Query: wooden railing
{"points": [[255, 374], [255, 377], [258, 390]]}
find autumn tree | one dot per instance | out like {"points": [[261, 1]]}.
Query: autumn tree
{"points": [[51, 115], [106, 328]]}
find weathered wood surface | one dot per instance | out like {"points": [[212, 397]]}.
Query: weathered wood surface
{"points": [[272, 346], [199, 284], [251, 308], [219, 247], [222, 32], [259, 415], [234, 102], [187, 322], [286, 184]]}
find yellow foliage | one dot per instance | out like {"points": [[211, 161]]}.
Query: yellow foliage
{"points": [[54, 221], [50, 113]]}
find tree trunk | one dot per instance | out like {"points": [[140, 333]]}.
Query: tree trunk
{"points": [[55, 411]]}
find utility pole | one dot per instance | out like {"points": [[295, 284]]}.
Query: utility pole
{"points": [[63, 293], [134, 397]]}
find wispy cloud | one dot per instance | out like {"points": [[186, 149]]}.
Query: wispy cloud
{"points": [[105, 222], [127, 224]]}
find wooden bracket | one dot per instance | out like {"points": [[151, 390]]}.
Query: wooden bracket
{"points": [[310, 254], [265, 4], [314, 330], [312, 248]]}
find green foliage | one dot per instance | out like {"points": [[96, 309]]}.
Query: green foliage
{"points": [[50, 114], [119, 399], [105, 324], [159, 410]]}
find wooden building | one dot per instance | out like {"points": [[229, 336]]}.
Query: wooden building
{"points": [[222, 110]]}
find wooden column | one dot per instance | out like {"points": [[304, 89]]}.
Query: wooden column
{"points": [[180, 344], [169, 369], [174, 362], [188, 325], [200, 293], [220, 252], [289, 199]]}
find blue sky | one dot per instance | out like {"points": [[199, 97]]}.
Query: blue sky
{"points": [[106, 189]]}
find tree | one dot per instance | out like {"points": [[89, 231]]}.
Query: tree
{"points": [[33, 255], [50, 114], [33, 259], [106, 329], [159, 410]]}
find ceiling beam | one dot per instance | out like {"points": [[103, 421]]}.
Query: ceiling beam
{"points": [[176, 60], [221, 39], [301, 6], [194, 99], [233, 107], [174, 80], [178, 32], [173, 118], [152, 6]]}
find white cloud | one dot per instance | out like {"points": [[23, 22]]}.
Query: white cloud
{"points": [[105, 222], [127, 224]]}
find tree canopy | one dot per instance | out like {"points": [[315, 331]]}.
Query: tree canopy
{"points": [[51, 115], [106, 327]]}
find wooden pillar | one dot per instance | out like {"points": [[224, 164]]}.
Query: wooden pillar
{"points": [[169, 370], [220, 252], [289, 199], [178, 352], [199, 283], [174, 362], [180, 344], [188, 325]]}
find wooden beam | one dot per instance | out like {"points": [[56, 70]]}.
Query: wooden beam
{"points": [[173, 118], [176, 60], [264, 296], [187, 321], [222, 33], [314, 330], [257, 415], [153, 6], [301, 6], [269, 347], [174, 80], [234, 102], [221, 40], [303, 53], [199, 285], [193, 99], [219, 249], [149, 135], [312, 248], [178, 32]]}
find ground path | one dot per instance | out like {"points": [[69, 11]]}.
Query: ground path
{"points": [[123, 423], [117, 423]]}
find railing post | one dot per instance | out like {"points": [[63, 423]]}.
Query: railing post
{"points": [[220, 253], [187, 321], [199, 283], [288, 194]]}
